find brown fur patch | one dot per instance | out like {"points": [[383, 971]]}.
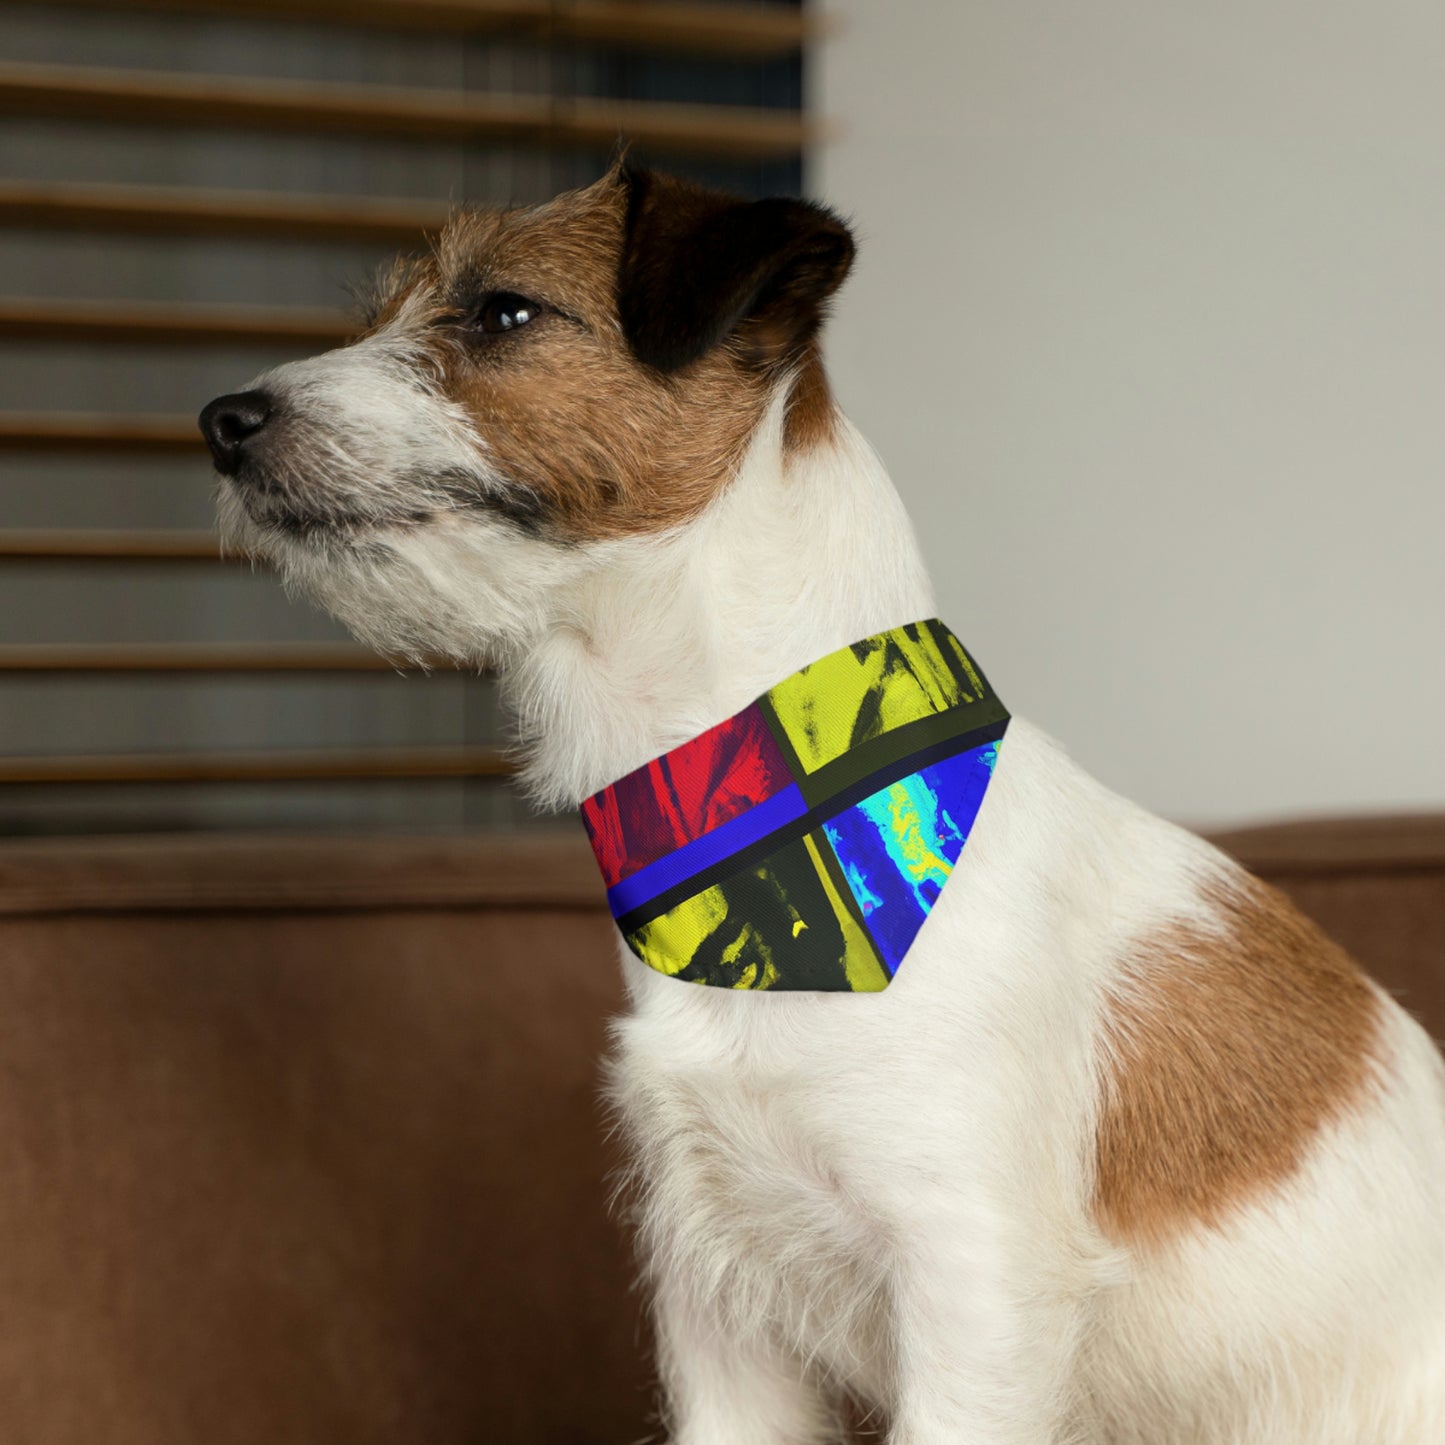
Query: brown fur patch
{"points": [[812, 412], [602, 444], [1228, 1051]]}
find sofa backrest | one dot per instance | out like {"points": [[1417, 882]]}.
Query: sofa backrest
{"points": [[300, 1142]]}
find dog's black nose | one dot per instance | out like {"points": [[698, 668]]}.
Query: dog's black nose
{"points": [[229, 422]]}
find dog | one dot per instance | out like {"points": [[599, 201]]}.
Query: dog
{"points": [[1127, 1153]]}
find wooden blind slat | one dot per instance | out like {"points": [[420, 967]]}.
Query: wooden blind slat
{"points": [[270, 767], [160, 98], [705, 29], [176, 211], [94, 431], [168, 323], [752, 31], [108, 546]]}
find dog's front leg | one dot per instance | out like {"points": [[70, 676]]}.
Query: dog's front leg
{"points": [[722, 1386], [985, 1343]]}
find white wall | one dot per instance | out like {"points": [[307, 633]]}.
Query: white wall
{"points": [[1149, 324]]}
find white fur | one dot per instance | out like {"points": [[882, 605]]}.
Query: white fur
{"points": [[889, 1194]]}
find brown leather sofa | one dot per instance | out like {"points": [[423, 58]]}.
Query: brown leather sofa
{"points": [[300, 1141]]}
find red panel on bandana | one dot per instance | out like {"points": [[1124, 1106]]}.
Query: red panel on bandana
{"points": [[685, 793]]}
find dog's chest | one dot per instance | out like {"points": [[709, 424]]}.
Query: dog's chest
{"points": [[753, 1175]]}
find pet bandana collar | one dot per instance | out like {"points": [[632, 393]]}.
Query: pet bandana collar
{"points": [[801, 843]]}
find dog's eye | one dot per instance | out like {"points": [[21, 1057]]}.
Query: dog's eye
{"points": [[505, 311]]}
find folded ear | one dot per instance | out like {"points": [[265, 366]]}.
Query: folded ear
{"points": [[699, 267]]}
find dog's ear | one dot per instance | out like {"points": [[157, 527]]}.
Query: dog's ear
{"points": [[699, 267]]}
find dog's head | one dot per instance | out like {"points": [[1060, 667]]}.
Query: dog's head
{"points": [[548, 381]]}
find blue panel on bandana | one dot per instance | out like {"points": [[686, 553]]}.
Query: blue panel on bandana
{"points": [[898, 846]]}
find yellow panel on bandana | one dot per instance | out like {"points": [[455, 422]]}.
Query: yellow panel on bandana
{"points": [[860, 961], [883, 683], [786, 915], [669, 942]]}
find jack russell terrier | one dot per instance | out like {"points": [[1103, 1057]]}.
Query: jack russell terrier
{"points": [[955, 1085]]}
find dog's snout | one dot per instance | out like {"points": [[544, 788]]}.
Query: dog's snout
{"points": [[229, 422]]}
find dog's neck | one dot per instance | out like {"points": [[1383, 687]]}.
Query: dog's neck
{"points": [[803, 553]]}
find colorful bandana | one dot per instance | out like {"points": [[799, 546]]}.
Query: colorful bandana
{"points": [[801, 843]]}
